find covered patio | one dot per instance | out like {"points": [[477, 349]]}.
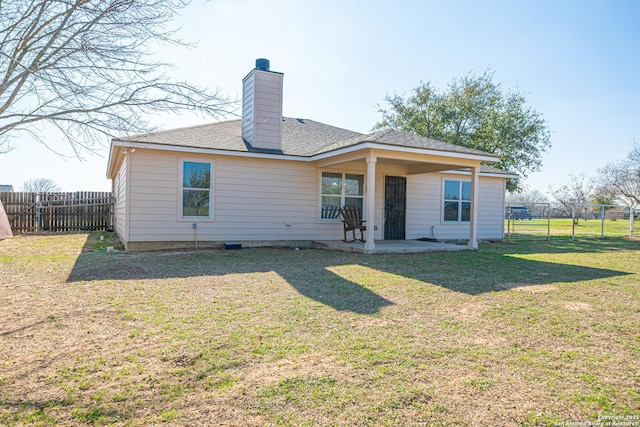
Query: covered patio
{"points": [[392, 147]]}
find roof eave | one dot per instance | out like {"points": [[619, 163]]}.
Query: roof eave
{"points": [[114, 152], [484, 158], [110, 162], [203, 150], [505, 175]]}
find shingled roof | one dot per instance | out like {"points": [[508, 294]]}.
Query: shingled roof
{"points": [[300, 137], [403, 139]]}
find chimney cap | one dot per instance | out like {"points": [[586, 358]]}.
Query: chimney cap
{"points": [[262, 64]]}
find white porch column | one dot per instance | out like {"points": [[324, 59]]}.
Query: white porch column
{"points": [[473, 223], [371, 202]]}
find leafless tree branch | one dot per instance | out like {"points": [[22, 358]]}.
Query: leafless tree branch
{"points": [[621, 180], [40, 185], [87, 67]]}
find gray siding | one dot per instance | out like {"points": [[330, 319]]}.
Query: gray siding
{"points": [[425, 203], [120, 202], [253, 199]]}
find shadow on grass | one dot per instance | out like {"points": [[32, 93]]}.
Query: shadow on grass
{"points": [[90, 415], [493, 268], [54, 356], [307, 274], [32, 404], [48, 319], [482, 272]]}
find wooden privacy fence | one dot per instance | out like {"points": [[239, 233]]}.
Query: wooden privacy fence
{"points": [[77, 211]]}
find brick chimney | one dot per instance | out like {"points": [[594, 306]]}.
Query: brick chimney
{"points": [[262, 107]]}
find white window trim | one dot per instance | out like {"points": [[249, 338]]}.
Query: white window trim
{"points": [[210, 218], [342, 196], [442, 201]]}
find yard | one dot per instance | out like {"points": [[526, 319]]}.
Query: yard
{"points": [[524, 333]]}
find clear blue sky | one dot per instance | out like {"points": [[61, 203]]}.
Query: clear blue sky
{"points": [[578, 62]]}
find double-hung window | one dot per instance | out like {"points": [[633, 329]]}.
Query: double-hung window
{"points": [[340, 189], [457, 201], [196, 189]]}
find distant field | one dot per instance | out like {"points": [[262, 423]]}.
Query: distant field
{"points": [[562, 228], [514, 334]]}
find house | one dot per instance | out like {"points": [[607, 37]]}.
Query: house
{"points": [[6, 188], [273, 180], [621, 212]]}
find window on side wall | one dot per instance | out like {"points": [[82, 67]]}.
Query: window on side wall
{"points": [[196, 189], [457, 201], [340, 189]]}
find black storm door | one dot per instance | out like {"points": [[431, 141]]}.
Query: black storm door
{"points": [[395, 207]]}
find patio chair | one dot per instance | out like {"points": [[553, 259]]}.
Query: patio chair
{"points": [[352, 221]]}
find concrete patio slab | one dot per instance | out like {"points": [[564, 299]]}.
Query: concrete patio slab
{"points": [[390, 246]]}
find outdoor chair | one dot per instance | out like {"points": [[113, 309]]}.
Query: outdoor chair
{"points": [[352, 221]]}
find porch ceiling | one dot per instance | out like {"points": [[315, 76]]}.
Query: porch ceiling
{"points": [[416, 167], [415, 163]]}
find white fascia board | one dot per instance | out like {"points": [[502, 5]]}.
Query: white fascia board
{"points": [[500, 175], [412, 150], [195, 150], [357, 147], [110, 160], [490, 174]]}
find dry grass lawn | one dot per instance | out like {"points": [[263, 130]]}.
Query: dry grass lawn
{"points": [[517, 334]]}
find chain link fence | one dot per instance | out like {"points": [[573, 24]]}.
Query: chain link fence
{"points": [[543, 221]]}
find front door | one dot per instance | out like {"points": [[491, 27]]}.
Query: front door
{"points": [[395, 207]]}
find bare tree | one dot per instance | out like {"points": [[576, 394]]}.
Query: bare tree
{"points": [[580, 190], [40, 185], [533, 199], [621, 180], [87, 68], [528, 197]]}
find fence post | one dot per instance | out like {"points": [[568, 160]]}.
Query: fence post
{"points": [[602, 227], [50, 213], [509, 222], [573, 222], [38, 212], [548, 222]]}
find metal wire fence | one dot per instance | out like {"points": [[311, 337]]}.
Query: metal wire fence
{"points": [[542, 221], [602, 221]]}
